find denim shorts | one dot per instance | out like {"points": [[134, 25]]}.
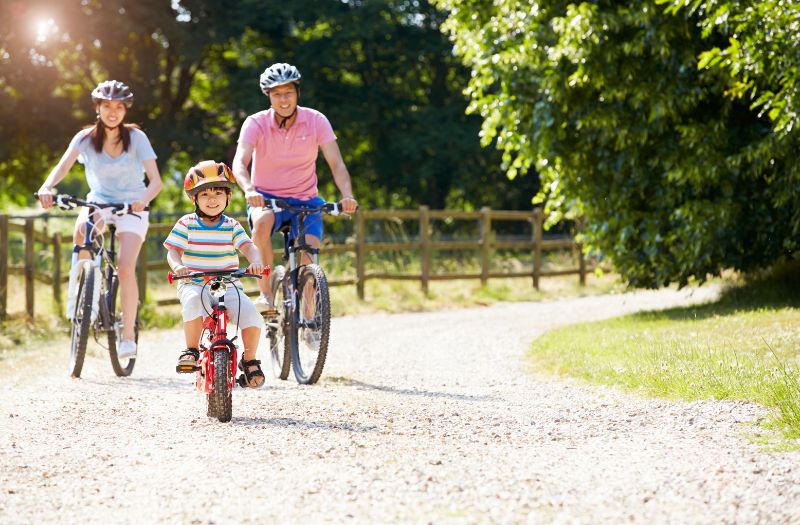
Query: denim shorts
{"points": [[313, 222]]}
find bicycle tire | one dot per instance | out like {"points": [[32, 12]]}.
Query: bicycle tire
{"points": [[220, 402], [111, 329], [279, 346], [308, 360], [81, 319]]}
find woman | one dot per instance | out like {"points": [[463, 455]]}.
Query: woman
{"points": [[114, 155]]}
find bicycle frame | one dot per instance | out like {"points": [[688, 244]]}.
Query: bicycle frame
{"points": [[294, 294], [294, 247], [216, 326], [97, 316], [99, 252], [217, 349]]}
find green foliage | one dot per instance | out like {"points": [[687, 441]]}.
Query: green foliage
{"points": [[676, 177], [382, 72]]}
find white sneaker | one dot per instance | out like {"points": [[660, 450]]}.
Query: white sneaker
{"points": [[127, 349], [264, 304]]}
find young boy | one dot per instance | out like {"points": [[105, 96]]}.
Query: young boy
{"points": [[207, 240]]}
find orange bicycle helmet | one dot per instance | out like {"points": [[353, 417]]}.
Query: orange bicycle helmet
{"points": [[207, 174]]}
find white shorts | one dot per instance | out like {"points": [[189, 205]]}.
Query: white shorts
{"points": [[245, 317], [124, 223]]}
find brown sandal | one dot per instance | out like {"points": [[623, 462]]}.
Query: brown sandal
{"points": [[246, 379], [187, 362]]}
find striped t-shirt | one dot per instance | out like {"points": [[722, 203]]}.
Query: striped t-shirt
{"points": [[207, 247]]}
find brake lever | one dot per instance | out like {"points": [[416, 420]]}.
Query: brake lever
{"points": [[64, 205]]}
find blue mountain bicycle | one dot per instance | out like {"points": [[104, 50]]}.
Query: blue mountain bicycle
{"points": [[299, 334]]}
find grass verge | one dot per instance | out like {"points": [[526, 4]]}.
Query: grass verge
{"points": [[746, 346]]}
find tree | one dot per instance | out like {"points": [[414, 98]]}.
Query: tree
{"points": [[675, 178], [382, 71]]}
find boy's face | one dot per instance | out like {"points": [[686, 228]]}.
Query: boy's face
{"points": [[212, 201]]}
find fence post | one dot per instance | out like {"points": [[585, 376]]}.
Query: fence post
{"points": [[3, 267], [29, 267], [361, 239], [486, 243], [141, 273], [57, 271], [537, 246], [425, 247], [581, 258]]}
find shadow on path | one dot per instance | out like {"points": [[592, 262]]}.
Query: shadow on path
{"points": [[406, 391], [288, 422]]}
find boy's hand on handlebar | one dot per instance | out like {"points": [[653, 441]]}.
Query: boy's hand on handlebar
{"points": [[349, 205], [255, 268], [137, 206], [254, 199], [181, 270]]}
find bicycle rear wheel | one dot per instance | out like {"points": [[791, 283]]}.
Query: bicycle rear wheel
{"points": [[279, 346], [81, 318], [312, 321], [220, 402], [122, 367]]}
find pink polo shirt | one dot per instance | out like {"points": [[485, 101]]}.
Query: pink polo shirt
{"points": [[284, 160]]}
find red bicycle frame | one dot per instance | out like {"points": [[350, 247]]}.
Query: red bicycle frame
{"points": [[216, 325]]}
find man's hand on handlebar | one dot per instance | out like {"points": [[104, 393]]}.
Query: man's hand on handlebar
{"points": [[137, 206], [349, 205], [254, 199]]}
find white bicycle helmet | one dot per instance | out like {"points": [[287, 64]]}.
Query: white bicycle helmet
{"points": [[113, 90], [278, 75]]}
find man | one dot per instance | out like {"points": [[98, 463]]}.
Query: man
{"points": [[283, 143]]}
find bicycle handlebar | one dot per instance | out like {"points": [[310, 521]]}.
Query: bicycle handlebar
{"points": [[331, 208], [68, 202], [239, 272]]}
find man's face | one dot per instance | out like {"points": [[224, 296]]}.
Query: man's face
{"points": [[283, 99]]}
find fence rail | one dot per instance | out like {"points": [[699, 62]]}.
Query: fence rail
{"points": [[486, 244]]}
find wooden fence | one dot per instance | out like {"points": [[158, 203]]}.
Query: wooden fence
{"points": [[486, 243]]}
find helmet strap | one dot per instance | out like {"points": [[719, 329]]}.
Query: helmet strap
{"points": [[284, 120]]}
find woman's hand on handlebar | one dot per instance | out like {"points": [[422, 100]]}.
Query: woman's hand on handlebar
{"points": [[254, 199], [46, 197], [137, 206]]}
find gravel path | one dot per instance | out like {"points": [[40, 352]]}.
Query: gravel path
{"points": [[419, 418]]}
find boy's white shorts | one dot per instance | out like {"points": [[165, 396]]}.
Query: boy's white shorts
{"points": [[245, 317]]}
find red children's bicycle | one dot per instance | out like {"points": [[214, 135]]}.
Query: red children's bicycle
{"points": [[216, 368]]}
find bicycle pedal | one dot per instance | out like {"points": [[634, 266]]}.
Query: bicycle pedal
{"points": [[187, 369]]}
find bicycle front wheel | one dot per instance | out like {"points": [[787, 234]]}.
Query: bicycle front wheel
{"points": [[122, 367], [220, 402], [81, 319], [312, 320], [280, 349]]}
